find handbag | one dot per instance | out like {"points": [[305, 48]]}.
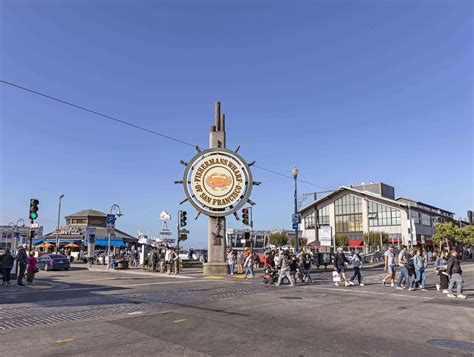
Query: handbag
{"points": [[36, 270], [336, 277]]}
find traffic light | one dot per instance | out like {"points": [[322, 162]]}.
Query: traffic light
{"points": [[34, 208], [245, 216], [183, 218]]}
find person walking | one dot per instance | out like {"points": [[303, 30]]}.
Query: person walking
{"points": [[231, 262], [340, 262], [419, 262], [357, 266], [6, 265], [455, 276], [306, 265], [440, 269], [248, 265], [22, 261], [169, 257], [31, 269], [240, 262], [389, 259], [411, 268], [403, 280], [284, 265]]}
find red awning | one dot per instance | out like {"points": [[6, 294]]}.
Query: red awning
{"points": [[356, 243], [394, 241]]}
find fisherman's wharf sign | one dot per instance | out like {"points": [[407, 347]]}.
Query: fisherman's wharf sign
{"points": [[217, 182]]}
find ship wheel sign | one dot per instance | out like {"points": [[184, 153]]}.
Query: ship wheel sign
{"points": [[217, 182]]}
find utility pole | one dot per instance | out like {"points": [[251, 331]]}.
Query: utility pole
{"points": [[178, 224], [57, 227], [411, 226], [295, 176]]}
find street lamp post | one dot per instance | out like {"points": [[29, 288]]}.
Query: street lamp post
{"points": [[115, 207], [57, 227], [295, 176]]}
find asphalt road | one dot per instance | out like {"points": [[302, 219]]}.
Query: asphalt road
{"points": [[89, 313]]}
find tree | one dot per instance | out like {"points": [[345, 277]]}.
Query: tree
{"points": [[449, 231], [278, 238], [467, 233], [342, 241], [303, 241], [372, 239]]}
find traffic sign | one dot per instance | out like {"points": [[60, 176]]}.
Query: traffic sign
{"points": [[111, 218], [295, 225], [295, 218]]}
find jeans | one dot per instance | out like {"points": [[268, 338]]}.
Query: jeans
{"points": [[356, 274], [403, 275], [231, 268], [285, 274], [420, 275], [306, 275], [6, 274], [249, 270], [456, 279]]}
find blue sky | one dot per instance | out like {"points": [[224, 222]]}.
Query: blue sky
{"points": [[350, 92]]}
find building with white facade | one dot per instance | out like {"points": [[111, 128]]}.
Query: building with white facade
{"points": [[352, 211]]}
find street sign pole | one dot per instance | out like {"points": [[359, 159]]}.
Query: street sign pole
{"points": [[177, 253]]}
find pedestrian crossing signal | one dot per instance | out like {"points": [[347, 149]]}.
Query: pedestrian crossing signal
{"points": [[183, 218], [34, 208], [245, 216]]}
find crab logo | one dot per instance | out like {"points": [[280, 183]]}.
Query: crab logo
{"points": [[218, 181]]}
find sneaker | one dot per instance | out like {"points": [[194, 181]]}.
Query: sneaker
{"points": [[383, 282], [346, 284], [399, 288], [462, 296], [423, 289], [392, 285], [336, 283], [438, 287], [445, 291], [451, 296], [361, 284], [411, 289], [351, 283]]}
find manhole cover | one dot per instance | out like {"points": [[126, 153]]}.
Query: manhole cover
{"points": [[461, 345], [291, 297]]}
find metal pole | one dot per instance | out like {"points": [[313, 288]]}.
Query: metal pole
{"points": [[251, 229], [57, 227], [297, 245], [108, 253], [177, 253]]}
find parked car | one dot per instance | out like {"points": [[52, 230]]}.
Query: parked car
{"points": [[53, 261]]}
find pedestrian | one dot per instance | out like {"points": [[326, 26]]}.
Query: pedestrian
{"points": [[169, 258], [357, 266], [190, 253], [231, 262], [22, 261], [240, 262], [411, 269], [154, 259], [306, 265], [7, 265], [293, 267], [340, 262], [404, 279], [440, 269], [430, 256], [284, 266], [248, 265], [389, 259], [419, 261], [31, 269], [455, 275]]}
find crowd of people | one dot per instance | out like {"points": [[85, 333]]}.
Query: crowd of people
{"points": [[26, 267]]}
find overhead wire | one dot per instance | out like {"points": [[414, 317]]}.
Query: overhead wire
{"points": [[124, 122]]}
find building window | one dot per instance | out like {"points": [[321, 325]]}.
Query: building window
{"points": [[323, 216], [348, 214], [309, 221], [426, 219], [415, 216], [382, 215]]}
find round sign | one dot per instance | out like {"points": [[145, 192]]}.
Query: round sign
{"points": [[217, 182]]}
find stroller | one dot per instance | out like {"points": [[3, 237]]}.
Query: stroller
{"points": [[270, 275]]}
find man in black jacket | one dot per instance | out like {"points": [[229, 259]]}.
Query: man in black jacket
{"points": [[22, 261], [454, 271]]}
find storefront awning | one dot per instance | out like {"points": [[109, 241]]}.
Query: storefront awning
{"points": [[356, 243], [113, 243]]}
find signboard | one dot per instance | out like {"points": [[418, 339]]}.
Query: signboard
{"points": [[242, 241], [111, 218], [325, 236], [295, 226], [295, 218], [217, 182], [112, 236], [168, 240], [110, 228], [89, 236]]}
